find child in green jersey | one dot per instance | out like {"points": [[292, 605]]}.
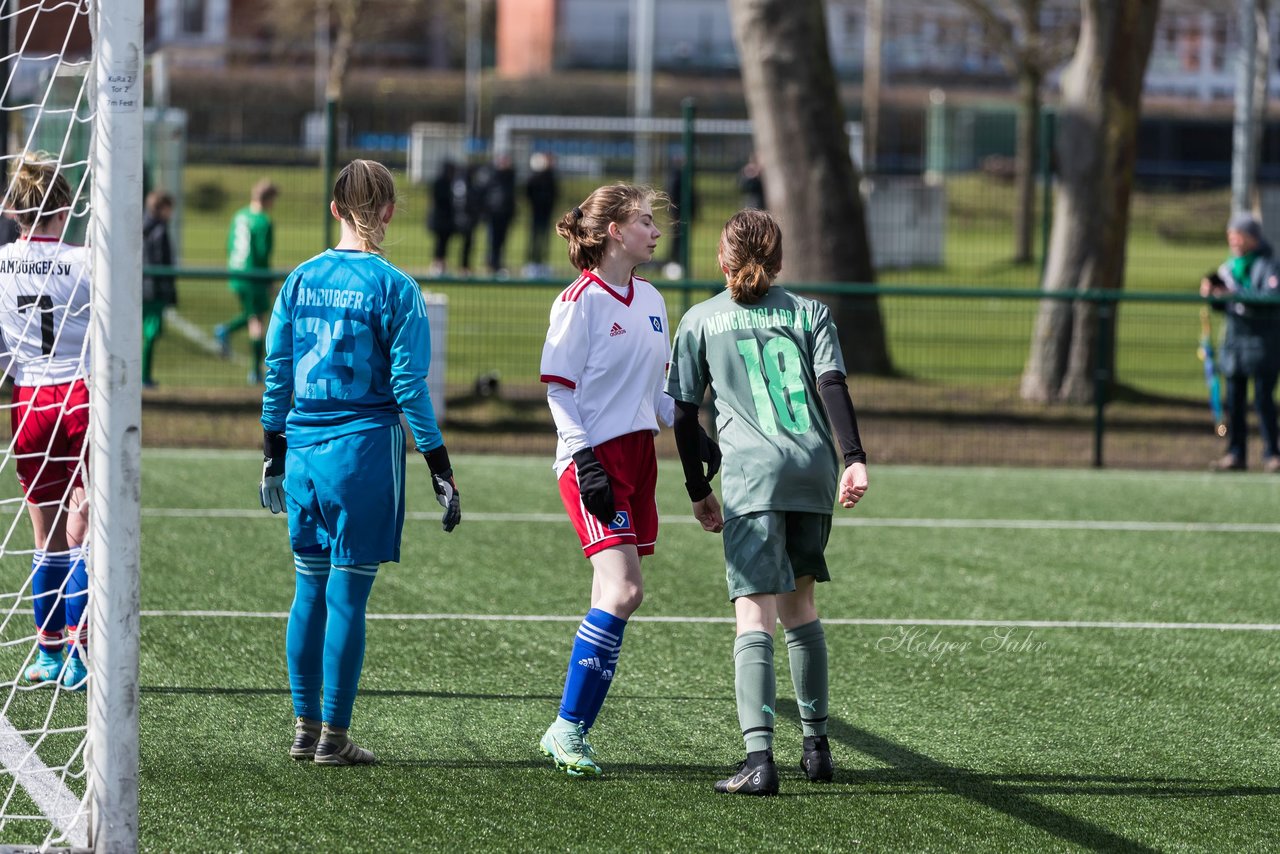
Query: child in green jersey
{"points": [[768, 355], [249, 244]]}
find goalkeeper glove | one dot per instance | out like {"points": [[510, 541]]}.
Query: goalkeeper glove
{"points": [[271, 488], [446, 490], [594, 487], [708, 452]]}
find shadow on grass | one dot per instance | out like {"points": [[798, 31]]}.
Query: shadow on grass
{"points": [[174, 690], [171, 690], [1015, 795]]}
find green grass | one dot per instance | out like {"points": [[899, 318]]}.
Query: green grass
{"points": [[1080, 739]]}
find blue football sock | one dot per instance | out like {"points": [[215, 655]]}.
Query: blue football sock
{"points": [[610, 674], [304, 637], [597, 643], [48, 575], [347, 595], [76, 594]]}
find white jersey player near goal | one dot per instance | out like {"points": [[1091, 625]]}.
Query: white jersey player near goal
{"points": [[44, 317], [604, 362], [619, 381]]}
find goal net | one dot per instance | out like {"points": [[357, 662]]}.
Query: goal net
{"points": [[70, 307]]}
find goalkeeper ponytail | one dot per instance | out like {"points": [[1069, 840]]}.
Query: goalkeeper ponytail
{"points": [[361, 194]]}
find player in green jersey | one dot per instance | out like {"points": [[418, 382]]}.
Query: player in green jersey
{"points": [[768, 355], [249, 243]]}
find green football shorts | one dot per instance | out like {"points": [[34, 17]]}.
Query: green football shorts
{"points": [[765, 552], [254, 294]]}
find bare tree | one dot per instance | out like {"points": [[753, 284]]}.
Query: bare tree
{"points": [[812, 185], [1251, 104], [1097, 149], [1013, 29], [295, 23], [1261, 81]]}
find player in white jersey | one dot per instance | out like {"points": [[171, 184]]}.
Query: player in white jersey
{"points": [[604, 363], [44, 315]]}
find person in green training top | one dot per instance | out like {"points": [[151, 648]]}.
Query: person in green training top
{"points": [[249, 244], [768, 356]]}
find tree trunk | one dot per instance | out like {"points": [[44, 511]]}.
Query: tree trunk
{"points": [[811, 183], [1029, 81], [1261, 79], [348, 16], [1096, 150]]}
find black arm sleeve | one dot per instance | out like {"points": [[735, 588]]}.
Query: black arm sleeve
{"points": [[438, 462], [687, 440], [274, 445], [835, 395]]}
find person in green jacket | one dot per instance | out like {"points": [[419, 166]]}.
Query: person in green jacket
{"points": [[249, 245], [1243, 287]]}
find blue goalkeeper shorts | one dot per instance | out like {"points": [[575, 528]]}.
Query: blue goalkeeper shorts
{"points": [[346, 496]]}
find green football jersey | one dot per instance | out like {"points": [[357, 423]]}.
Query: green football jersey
{"points": [[249, 242], [762, 363]]}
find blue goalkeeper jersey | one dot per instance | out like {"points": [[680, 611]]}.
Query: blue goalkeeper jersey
{"points": [[348, 350]]}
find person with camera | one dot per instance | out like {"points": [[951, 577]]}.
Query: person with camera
{"points": [[1251, 345]]}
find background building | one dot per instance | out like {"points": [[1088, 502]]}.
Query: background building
{"points": [[924, 42]]}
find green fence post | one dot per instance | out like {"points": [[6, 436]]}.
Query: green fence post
{"points": [[1046, 185], [1102, 375], [937, 136], [330, 163], [686, 191]]}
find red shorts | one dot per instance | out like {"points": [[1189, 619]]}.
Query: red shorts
{"points": [[49, 424], [632, 467]]}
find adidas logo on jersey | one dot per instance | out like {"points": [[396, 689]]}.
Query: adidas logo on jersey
{"points": [[617, 330]]}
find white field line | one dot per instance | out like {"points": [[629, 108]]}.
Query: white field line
{"points": [[45, 787], [839, 522], [967, 473], [836, 621]]}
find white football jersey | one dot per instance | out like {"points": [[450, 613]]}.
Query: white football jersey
{"points": [[44, 310], [612, 350]]}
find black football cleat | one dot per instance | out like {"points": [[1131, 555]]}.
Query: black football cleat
{"points": [[306, 733], [760, 778], [816, 759]]}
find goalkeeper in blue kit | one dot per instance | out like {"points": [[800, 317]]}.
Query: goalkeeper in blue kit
{"points": [[773, 364], [348, 349]]}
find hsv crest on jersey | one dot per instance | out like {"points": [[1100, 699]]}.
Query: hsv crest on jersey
{"points": [[656, 321]]}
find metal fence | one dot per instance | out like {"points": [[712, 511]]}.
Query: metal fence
{"points": [[958, 356], [958, 308]]}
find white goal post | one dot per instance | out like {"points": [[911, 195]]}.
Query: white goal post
{"points": [[71, 96], [115, 462]]}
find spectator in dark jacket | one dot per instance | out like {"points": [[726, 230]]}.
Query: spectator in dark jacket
{"points": [[451, 214], [499, 208], [681, 220], [159, 291], [751, 184], [1251, 345], [440, 215], [542, 189]]}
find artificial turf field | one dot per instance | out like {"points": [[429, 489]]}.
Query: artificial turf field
{"points": [[1020, 660]]}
